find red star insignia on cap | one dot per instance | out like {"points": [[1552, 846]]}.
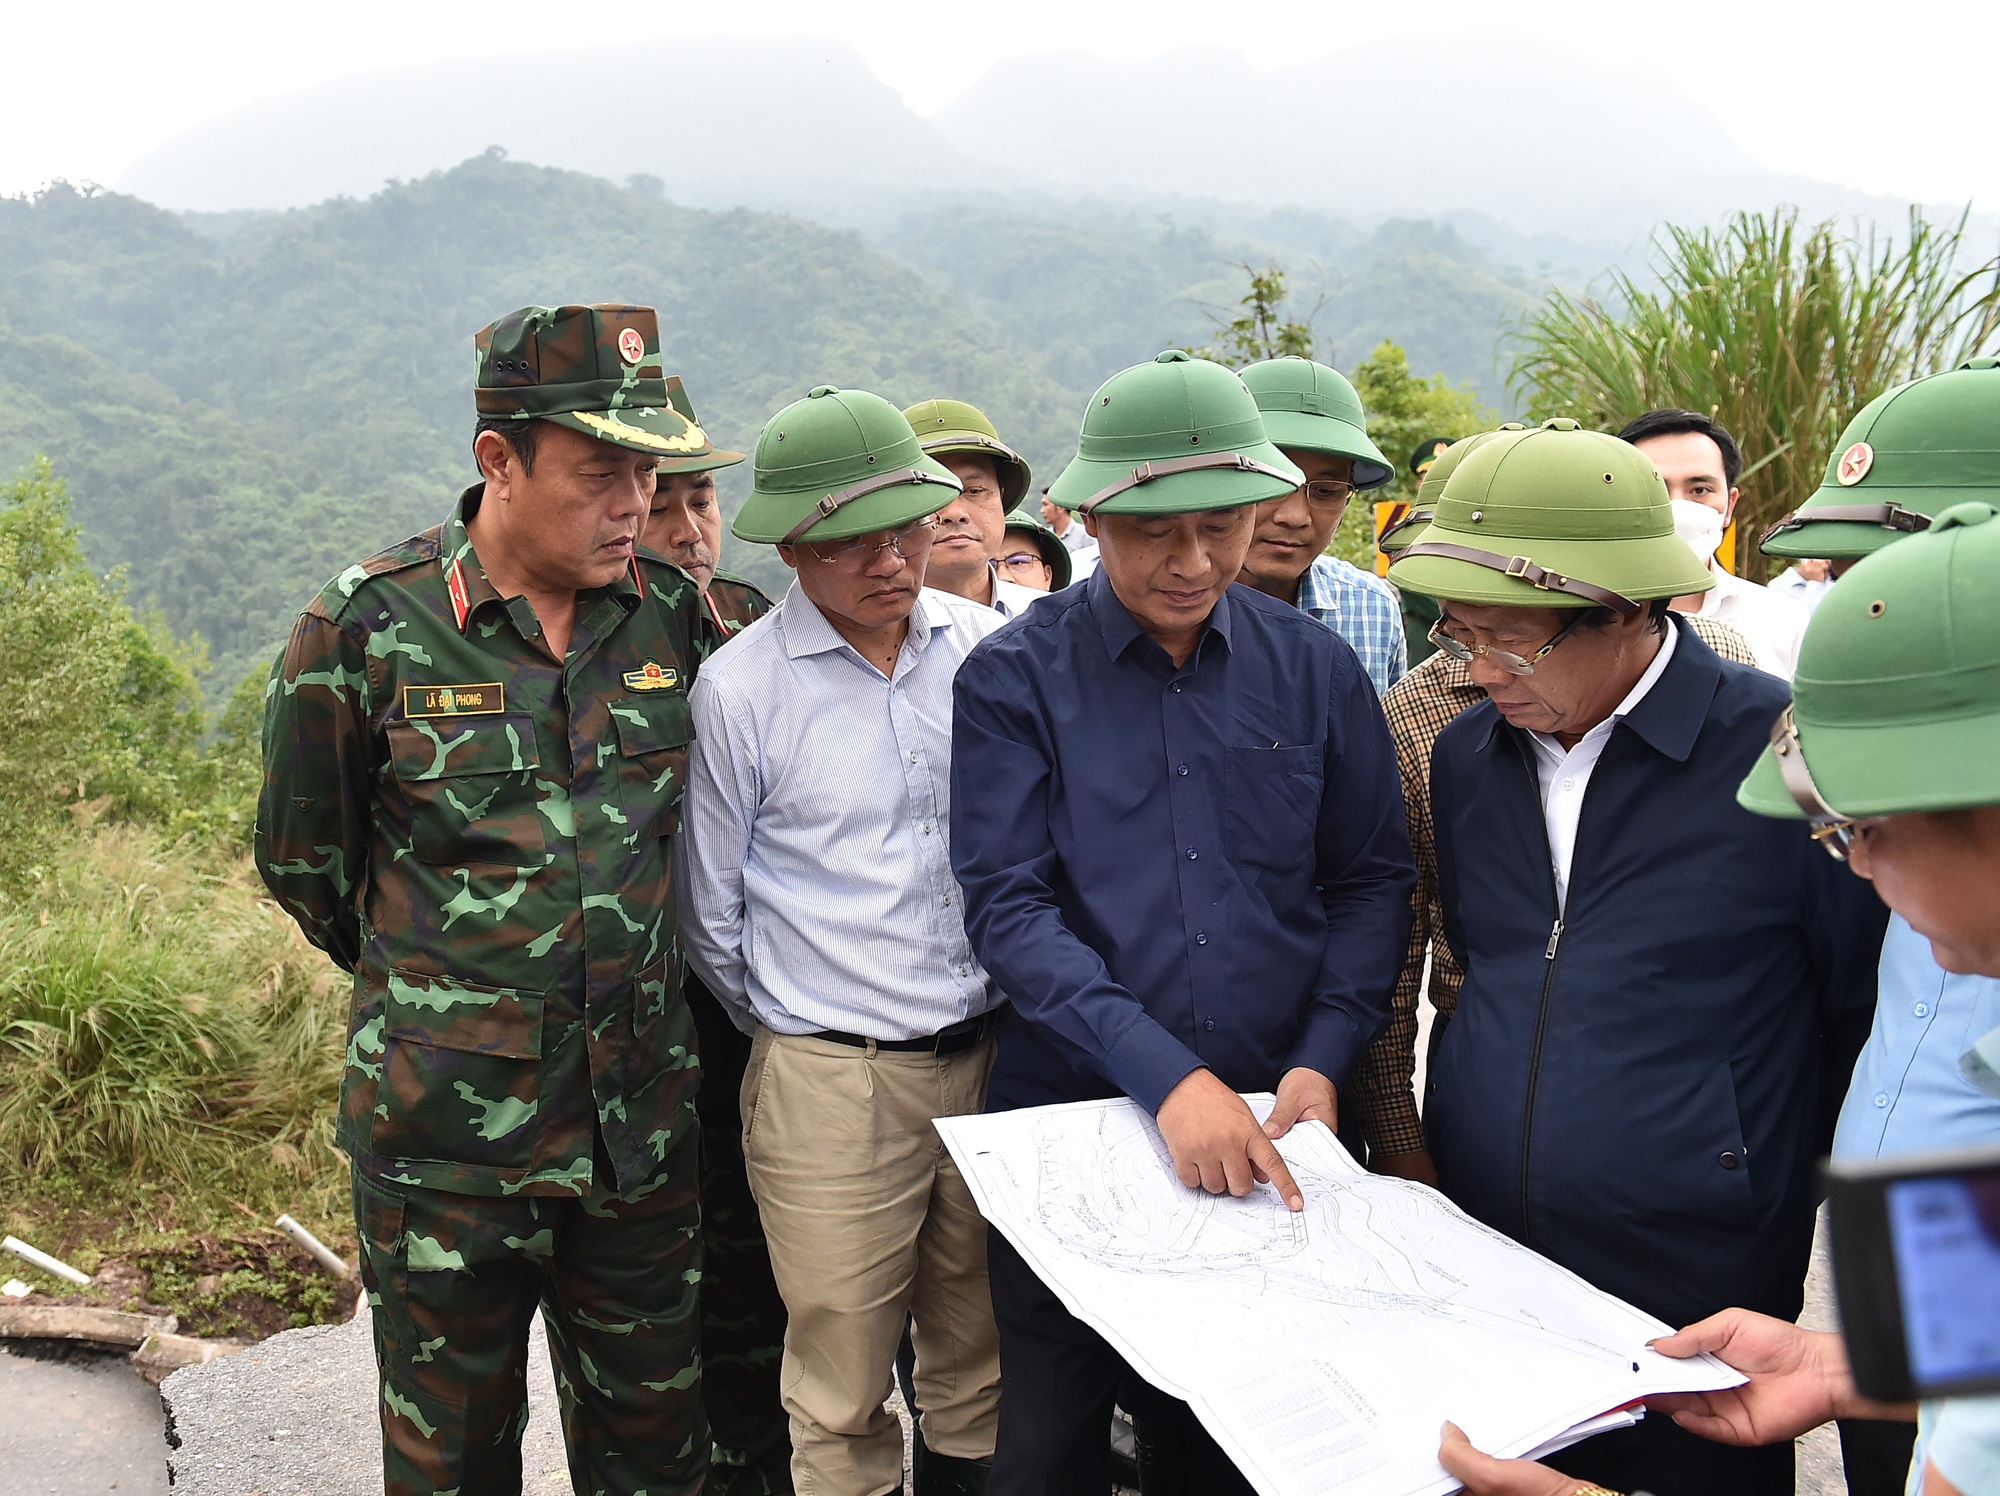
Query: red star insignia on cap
{"points": [[631, 345], [1854, 464]]}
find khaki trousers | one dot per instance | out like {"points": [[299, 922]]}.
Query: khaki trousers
{"points": [[870, 1225]]}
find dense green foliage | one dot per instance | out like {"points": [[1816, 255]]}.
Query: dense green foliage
{"points": [[1779, 331]]}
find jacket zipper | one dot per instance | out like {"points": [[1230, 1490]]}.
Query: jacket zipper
{"points": [[1549, 955]]}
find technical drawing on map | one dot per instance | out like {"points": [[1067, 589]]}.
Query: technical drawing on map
{"points": [[1322, 1347]]}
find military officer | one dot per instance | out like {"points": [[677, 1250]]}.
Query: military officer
{"points": [[1890, 751], [742, 1315], [474, 756], [971, 530]]}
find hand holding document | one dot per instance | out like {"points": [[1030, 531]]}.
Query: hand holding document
{"points": [[1323, 1347]]}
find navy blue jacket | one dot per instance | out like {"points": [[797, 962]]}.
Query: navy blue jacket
{"points": [[1168, 868], [1642, 1095]]}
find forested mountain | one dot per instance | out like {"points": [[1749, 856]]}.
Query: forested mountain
{"points": [[243, 403]]}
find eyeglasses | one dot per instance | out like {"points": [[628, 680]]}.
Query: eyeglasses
{"points": [[914, 540], [1506, 659], [1020, 560], [1330, 493]]}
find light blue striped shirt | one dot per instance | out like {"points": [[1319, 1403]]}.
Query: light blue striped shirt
{"points": [[1364, 610], [813, 866]]}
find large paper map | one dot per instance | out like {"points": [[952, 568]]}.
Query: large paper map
{"points": [[1322, 1349]]}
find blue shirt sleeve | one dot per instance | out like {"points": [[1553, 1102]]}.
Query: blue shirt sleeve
{"points": [[1006, 862]]}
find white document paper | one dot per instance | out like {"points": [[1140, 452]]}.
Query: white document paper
{"points": [[1322, 1349]]}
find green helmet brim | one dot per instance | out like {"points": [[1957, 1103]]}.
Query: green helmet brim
{"points": [[1640, 569], [1271, 477], [717, 458], [657, 430], [1300, 431], [768, 518], [1897, 768], [1804, 537], [1011, 468]]}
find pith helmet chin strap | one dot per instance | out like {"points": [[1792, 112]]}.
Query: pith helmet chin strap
{"points": [[1888, 516], [972, 441], [833, 501], [1527, 571], [1829, 825], [1415, 519], [1146, 472]]}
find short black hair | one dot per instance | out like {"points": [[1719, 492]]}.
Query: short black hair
{"points": [[1597, 616], [522, 436], [1671, 422]]}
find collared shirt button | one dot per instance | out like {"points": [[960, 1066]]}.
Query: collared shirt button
{"points": [[1881, 1098], [1177, 688], [1569, 784], [1190, 854], [1201, 937], [1181, 770], [1923, 1010], [1210, 1025]]}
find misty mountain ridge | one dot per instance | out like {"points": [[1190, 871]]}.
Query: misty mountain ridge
{"points": [[1505, 131]]}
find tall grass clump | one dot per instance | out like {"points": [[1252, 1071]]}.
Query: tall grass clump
{"points": [[1781, 332], [160, 1018]]}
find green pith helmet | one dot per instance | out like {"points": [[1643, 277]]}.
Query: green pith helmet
{"points": [[1911, 453], [1401, 534], [1053, 551], [1172, 436], [837, 464], [1308, 407], [699, 462], [1552, 517], [953, 426], [587, 368], [1896, 704]]}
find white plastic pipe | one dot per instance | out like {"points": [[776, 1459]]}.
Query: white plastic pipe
{"points": [[47, 1263], [321, 1252]]}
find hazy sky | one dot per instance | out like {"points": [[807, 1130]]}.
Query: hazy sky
{"points": [[1892, 98]]}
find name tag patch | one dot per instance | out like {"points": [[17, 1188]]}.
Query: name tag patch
{"points": [[651, 677], [454, 701]]}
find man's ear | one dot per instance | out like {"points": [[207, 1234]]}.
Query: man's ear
{"points": [[1089, 524], [1729, 514], [498, 463], [790, 557]]}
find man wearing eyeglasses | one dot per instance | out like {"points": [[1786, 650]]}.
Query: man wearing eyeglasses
{"points": [[971, 529], [822, 911], [1314, 417], [1663, 993]]}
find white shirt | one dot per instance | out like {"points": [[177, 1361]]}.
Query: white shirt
{"points": [[814, 862], [1565, 773], [1771, 622], [1789, 583], [1011, 599]]}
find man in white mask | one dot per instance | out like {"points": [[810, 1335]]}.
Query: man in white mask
{"points": [[1700, 462]]}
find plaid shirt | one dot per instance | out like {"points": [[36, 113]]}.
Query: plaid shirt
{"points": [[1364, 610], [1419, 707]]}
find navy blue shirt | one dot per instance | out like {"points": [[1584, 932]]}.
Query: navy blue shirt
{"points": [[1168, 868], [1642, 1093]]}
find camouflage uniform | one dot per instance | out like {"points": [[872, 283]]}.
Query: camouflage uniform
{"points": [[742, 1314], [480, 834]]}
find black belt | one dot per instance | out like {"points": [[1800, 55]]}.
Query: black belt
{"points": [[959, 1036]]}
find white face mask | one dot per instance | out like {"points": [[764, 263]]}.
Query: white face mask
{"points": [[1698, 526]]}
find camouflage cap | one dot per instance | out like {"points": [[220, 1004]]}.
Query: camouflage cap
{"points": [[698, 462], [1896, 704], [594, 369], [948, 426], [1911, 452]]}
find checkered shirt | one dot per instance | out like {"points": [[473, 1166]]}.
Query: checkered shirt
{"points": [[1364, 610], [1419, 707]]}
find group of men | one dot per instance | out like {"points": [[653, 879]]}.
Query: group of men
{"points": [[676, 915]]}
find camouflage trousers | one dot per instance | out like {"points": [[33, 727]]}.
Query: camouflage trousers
{"points": [[453, 1282], [742, 1316]]}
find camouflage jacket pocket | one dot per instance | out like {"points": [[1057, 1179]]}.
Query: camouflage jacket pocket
{"points": [[653, 733], [471, 788], [459, 1072]]}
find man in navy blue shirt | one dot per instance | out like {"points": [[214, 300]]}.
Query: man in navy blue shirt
{"points": [[1179, 828]]}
